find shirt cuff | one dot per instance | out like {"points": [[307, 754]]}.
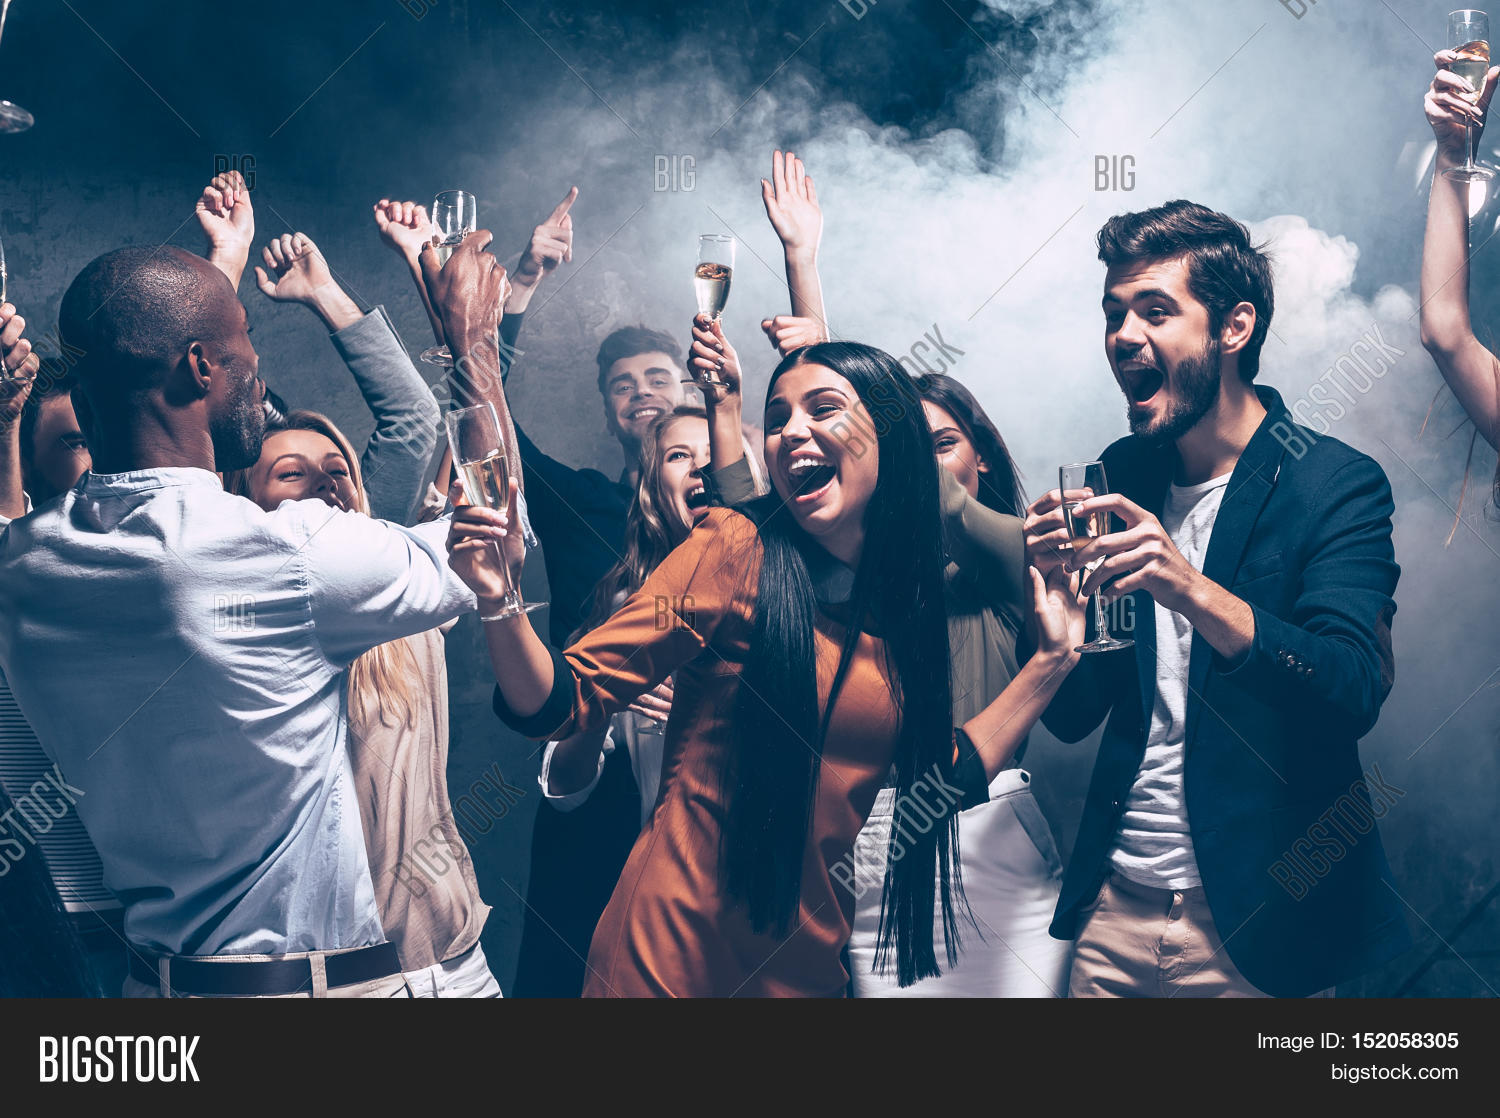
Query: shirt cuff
{"points": [[567, 801], [555, 718]]}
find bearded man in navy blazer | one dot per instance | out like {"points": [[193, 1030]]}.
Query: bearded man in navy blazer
{"points": [[1255, 558]]}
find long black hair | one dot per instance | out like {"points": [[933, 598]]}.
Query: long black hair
{"points": [[771, 782], [1000, 486]]}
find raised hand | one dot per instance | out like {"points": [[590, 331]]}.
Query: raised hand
{"points": [[1448, 105], [404, 226], [792, 205], [788, 332], [1056, 623], [227, 219], [1048, 542], [300, 271], [467, 292], [476, 539], [301, 275], [712, 354], [551, 244]]}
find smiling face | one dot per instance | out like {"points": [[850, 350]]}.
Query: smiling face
{"points": [[298, 465], [682, 448], [1157, 338], [954, 449], [637, 390], [826, 477]]}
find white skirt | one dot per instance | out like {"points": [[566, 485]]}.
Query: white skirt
{"points": [[1011, 875]]}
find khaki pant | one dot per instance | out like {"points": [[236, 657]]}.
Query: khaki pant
{"points": [[1140, 942], [391, 986]]}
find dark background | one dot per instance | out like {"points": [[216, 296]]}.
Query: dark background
{"points": [[951, 141]]}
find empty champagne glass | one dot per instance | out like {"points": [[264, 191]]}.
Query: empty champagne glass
{"points": [[711, 278], [1089, 477], [1469, 38], [479, 456], [455, 214]]}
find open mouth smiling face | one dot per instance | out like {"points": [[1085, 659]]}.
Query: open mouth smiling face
{"points": [[824, 475]]}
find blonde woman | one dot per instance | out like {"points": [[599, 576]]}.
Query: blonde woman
{"points": [[421, 870]]}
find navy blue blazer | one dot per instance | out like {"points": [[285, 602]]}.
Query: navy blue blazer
{"points": [[1300, 894]]}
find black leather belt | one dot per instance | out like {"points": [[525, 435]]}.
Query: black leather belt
{"points": [[229, 977]]}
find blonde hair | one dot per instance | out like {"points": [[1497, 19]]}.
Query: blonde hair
{"points": [[649, 535], [380, 681]]}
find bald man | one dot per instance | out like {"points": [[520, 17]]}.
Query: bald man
{"points": [[181, 652]]}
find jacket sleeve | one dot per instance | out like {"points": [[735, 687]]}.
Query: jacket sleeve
{"points": [[731, 486], [1332, 656], [668, 622], [394, 462], [988, 546]]}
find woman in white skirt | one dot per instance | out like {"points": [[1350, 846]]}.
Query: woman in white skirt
{"points": [[1010, 867]]}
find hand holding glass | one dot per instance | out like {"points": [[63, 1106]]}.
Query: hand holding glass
{"points": [[479, 456], [455, 214], [1469, 38], [1088, 476], [711, 279]]}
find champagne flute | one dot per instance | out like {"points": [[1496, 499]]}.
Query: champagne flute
{"points": [[1469, 37], [1088, 476], [455, 214], [479, 456], [13, 118], [711, 278]]}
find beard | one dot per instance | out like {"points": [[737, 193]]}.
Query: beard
{"points": [[1195, 390], [237, 436]]}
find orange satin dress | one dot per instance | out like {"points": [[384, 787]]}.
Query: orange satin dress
{"points": [[669, 929]]}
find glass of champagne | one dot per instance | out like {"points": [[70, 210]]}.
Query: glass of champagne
{"points": [[711, 278], [1088, 476], [1469, 38], [455, 214], [13, 118], [479, 456]]}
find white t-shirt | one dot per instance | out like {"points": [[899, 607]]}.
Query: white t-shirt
{"points": [[1154, 845]]}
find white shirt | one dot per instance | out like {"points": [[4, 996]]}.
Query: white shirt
{"points": [[1154, 846], [181, 654]]}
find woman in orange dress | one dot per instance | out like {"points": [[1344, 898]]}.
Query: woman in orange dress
{"points": [[790, 706]]}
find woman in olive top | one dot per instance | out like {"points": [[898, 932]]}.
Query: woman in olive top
{"points": [[1011, 869]]}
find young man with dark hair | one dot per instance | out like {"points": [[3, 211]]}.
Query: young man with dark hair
{"points": [[1256, 560]]}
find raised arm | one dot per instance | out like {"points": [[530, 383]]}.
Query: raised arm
{"points": [[405, 228], [16, 380], [729, 477], [1057, 624], [394, 461], [988, 546], [227, 220], [468, 299], [791, 203], [1447, 332]]}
